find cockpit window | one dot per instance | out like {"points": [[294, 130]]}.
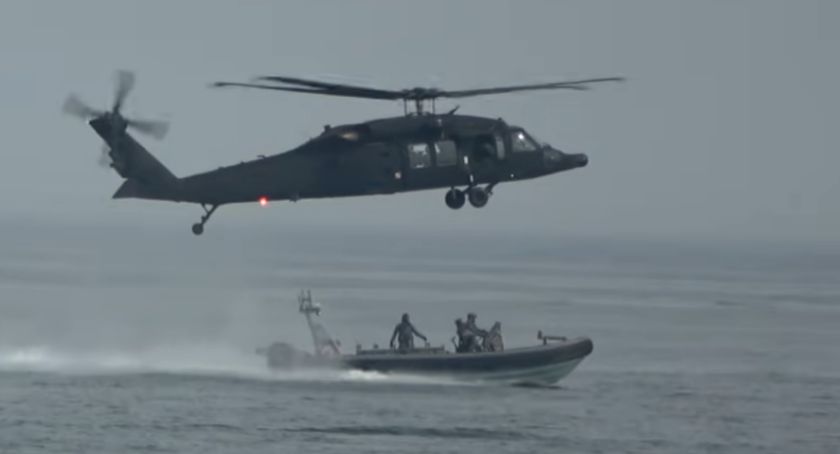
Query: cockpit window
{"points": [[521, 141]]}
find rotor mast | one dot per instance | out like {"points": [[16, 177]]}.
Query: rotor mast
{"points": [[419, 106]]}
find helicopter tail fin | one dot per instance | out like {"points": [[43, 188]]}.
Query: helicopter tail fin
{"points": [[146, 177]]}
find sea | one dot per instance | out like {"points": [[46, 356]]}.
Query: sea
{"points": [[127, 338]]}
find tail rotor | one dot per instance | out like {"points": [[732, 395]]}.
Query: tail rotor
{"points": [[125, 81]]}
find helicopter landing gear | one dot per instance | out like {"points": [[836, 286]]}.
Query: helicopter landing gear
{"points": [[478, 196], [455, 198], [198, 227]]}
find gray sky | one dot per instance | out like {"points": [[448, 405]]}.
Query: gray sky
{"points": [[728, 125]]}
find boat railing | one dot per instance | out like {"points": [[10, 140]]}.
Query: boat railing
{"points": [[376, 350]]}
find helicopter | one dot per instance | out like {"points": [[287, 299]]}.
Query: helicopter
{"points": [[422, 149]]}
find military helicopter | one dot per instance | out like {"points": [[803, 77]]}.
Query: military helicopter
{"points": [[421, 149]]}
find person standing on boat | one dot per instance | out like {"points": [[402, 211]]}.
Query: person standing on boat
{"points": [[404, 332], [467, 343], [466, 340], [493, 340], [475, 330]]}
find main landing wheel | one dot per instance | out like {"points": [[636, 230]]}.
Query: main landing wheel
{"points": [[455, 199], [198, 228], [478, 196]]}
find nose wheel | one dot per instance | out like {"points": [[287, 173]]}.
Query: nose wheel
{"points": [[198, 227]]}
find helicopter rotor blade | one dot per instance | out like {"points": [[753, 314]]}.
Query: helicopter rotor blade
{"points": [[264, 87], [335, 88], [125, 82], [155, 128], [417, 94], [370, 94], [76, 107], [307, 82], [569, 85]]}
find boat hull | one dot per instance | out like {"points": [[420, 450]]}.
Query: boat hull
{"points": [[541, 365]]}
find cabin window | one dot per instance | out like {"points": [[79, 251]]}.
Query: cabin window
{"points": [[418, 156], [500, 147], [445, 153], [521, 142]]}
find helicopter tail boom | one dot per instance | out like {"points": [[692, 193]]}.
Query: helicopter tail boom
{"points": [[146, 177]]}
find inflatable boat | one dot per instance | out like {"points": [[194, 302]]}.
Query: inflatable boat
{"points": [[544, 364]]}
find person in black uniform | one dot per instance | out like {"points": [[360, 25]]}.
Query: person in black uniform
{"points": [[475, 330], [404, 333], [468, 337], [466, 340]]}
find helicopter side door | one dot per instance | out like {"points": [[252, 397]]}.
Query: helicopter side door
{"points": [[430, 164], [486, 157], [451, 161]]}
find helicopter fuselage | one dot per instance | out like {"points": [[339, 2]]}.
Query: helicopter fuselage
{"points": [[385, 157]]}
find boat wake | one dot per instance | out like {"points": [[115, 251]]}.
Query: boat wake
{"points": [[195, 361]]}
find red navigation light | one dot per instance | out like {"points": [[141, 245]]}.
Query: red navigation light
{"points": [[263, 201]]}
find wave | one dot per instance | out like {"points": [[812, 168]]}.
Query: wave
{"points": [[416, 431], [187, 360], [224, 363]]}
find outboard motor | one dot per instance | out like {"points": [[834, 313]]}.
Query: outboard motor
{"points": [[281, 355]]}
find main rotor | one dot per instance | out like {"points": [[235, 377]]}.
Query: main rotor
{"points": [[418, 96]]}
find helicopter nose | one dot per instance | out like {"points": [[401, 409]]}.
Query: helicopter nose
{"points": [[580, 159]]}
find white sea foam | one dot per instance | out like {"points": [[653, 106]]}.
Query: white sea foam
{"points": [[195, 360]]}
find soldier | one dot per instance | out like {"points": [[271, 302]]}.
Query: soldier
{"points": [[493, 340], [476, 331], [467, 339], [404, 332]]}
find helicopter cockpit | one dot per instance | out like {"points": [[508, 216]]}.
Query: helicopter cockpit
{"points": [[554, 159], [521, 141]]}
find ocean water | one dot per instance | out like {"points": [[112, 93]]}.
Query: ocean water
{"points": [[143, 341]]}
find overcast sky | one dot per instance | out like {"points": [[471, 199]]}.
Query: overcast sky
{"points": [[727, 126]]}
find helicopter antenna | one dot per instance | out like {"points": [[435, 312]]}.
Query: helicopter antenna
{"points": [[418, 95]]}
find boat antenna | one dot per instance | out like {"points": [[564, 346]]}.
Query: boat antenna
{"points": [[306, 306], [321, 339]]}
